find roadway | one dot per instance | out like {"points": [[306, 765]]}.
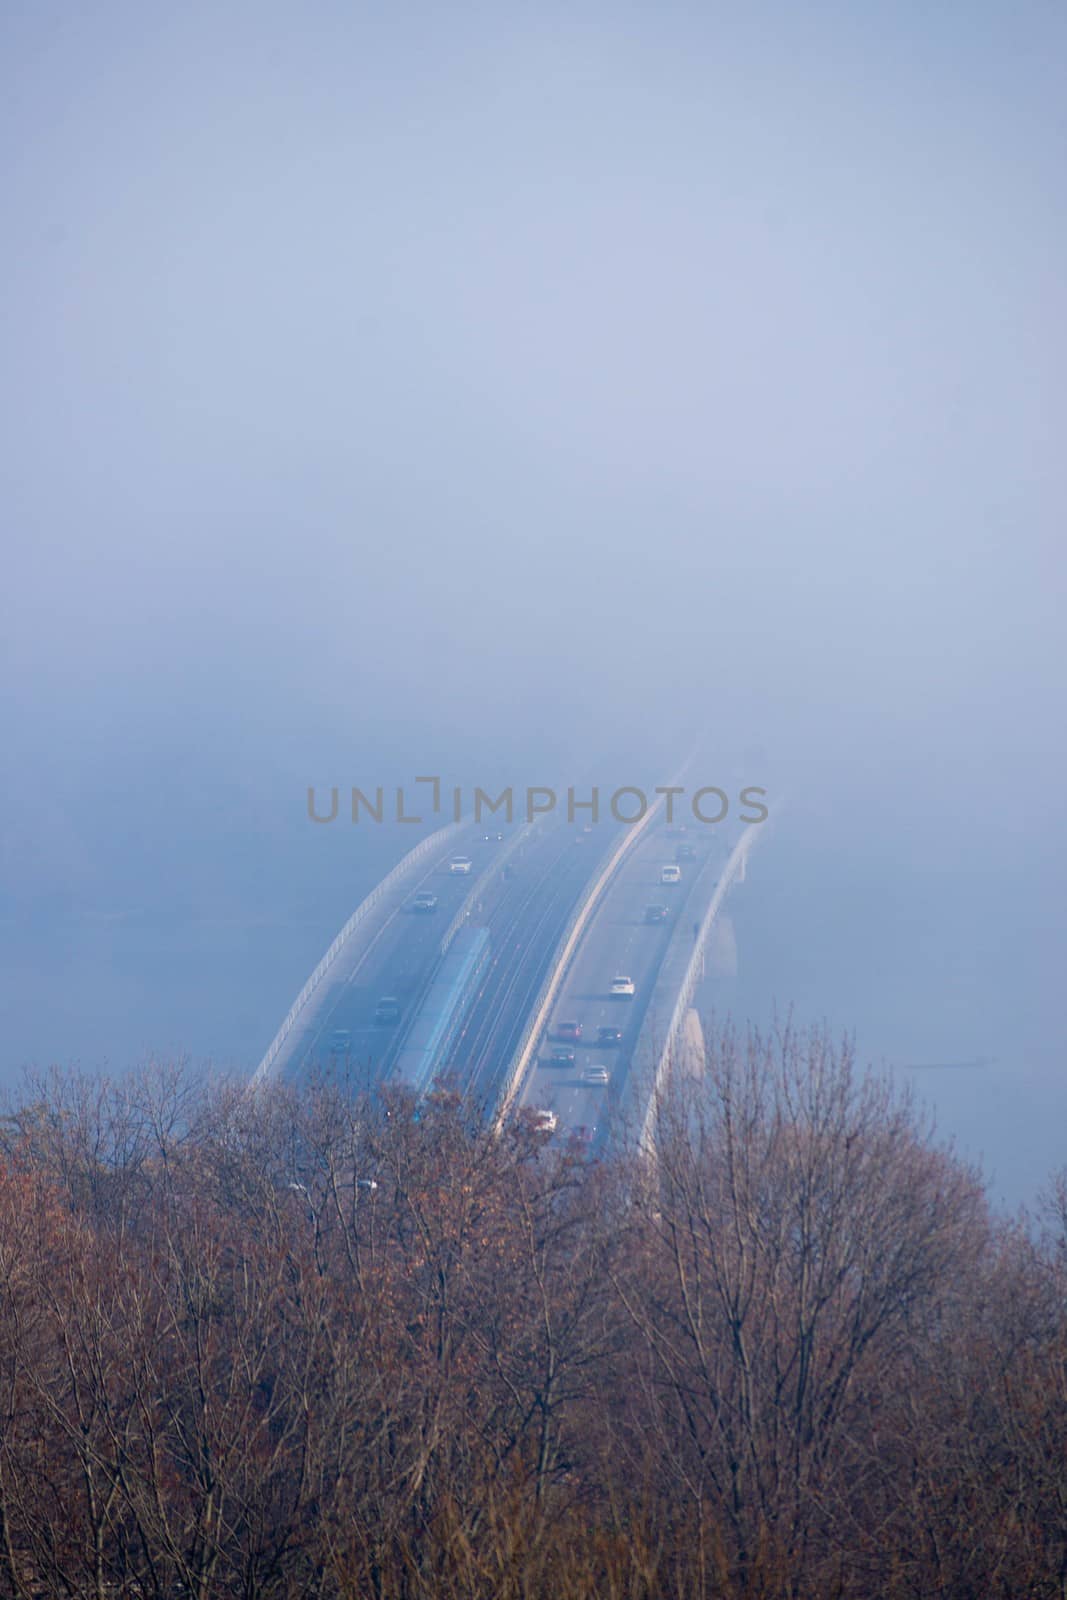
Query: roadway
{"points": [[399, 961], [525, 927], [618, 941], [526, 907]]}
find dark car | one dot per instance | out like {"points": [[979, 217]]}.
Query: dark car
{"points": [[562, 1057], [582, 1136], [424, 901], [569, 1030], [387, 1009], [685, 852], [609, 1036], [655, 913]]}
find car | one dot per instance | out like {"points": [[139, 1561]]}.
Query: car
{"points": [[545, 1120], [656, 913], [370, 1184], [492, 838], [341, 1042], [609, 1036], [685, 852], [424, 901], [596, 1073], [387, 1009], [583, 1135], [562, 1057], [460, 866], [622, 988], [670, 874], [570, 1031]]}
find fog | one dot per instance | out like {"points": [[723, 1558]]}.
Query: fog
{"points": [[515, 396]]}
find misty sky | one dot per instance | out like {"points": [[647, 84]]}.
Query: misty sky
{"points": [[501, 391]]}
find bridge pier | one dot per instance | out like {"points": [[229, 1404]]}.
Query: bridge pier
{"points": [[691, 1045]]}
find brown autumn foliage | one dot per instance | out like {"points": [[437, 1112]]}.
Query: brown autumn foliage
{"points": [[332, 1345]]}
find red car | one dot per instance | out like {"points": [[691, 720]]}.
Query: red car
{"points": [[571, 1031]]}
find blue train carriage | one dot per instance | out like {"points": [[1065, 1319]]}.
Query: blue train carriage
{"points": [[442, 1012]]}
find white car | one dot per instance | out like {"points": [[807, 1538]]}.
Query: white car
{"points": [[545, 1120], [670, 875], [596, 1074], [460, 865], [622, 988]]}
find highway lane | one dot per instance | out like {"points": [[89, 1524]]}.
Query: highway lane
{"points": [[398, 963], [619, 941], [526, 927]]}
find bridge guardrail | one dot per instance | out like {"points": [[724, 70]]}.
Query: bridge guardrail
{"points": [[424, 848], [735, 864]]}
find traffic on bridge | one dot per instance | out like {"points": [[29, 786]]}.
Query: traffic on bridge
{"points": [[523, 966]]}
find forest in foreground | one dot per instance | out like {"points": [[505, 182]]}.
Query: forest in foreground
{"points": [[335, 1345]]}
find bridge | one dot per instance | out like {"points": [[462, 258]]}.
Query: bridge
{"points": [[547, 968]]}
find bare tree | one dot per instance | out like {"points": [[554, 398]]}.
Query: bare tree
{"points": [[342, 1345], [798, 1225]]}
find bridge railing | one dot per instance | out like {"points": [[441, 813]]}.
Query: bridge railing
{"points": [[428, 846], [735, 867]]}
